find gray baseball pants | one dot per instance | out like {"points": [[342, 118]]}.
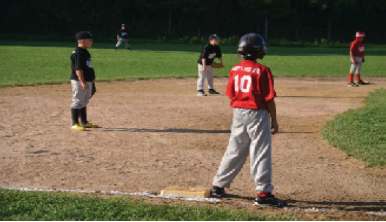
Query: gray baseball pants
{"points": [[357, 68], [120, 41], [250, 135], [80, 96], [209, 75]]}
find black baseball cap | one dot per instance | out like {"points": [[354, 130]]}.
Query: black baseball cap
{"points": [[84, 35], [213, 36]]}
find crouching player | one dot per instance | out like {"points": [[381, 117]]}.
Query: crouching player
{"points": [[251, 91]]}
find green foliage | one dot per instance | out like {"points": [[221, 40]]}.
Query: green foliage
{"points": [[361, 132], [27, 206], [176, 19]]}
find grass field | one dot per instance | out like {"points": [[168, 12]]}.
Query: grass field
{"points": [[23, 206], [361, 132], [28, 63]]}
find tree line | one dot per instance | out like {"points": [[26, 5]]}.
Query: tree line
{"points": [[335, 20]]}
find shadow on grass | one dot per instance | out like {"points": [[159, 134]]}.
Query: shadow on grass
{"points": [[272, 51]]}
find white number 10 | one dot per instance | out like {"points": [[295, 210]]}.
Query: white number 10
{"points": [[245, 83]]}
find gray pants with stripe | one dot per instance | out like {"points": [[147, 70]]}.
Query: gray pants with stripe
{"points": [[251, 135], [120, 41], [209, 75], [356, 68], [80, 96]]}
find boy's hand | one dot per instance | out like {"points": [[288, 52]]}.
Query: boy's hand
{"points": [[85, 86], [203, 70], [275, 127], [353, 61]]}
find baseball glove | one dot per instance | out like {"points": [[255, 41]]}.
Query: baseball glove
{"points": [[363, 60], [93, 89], [217, 65]]}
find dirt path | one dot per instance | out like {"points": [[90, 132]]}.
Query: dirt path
{"points": [[158, 133]]}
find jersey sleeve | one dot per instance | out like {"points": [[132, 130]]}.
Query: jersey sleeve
{"points": [[79, 61], [267, 85], [205, 52], [218, 54], [352, 47]]}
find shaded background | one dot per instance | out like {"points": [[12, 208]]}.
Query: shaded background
{"points": [[293, 20]]}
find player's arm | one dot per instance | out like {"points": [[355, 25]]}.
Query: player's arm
{"points": [[271, 107], [117, 37], [352, 58], [221, 60], [79, 73], [203, 60]]}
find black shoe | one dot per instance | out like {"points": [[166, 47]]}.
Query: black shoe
{"points": [[351, 84], [269, 201], [129, 49], [212, 91], [217, 192], [362, 83]]}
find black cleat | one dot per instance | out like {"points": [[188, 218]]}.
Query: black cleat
{"points": [[212, 91], [362, 83], [269, 201], [351, 84], [217, 192]]}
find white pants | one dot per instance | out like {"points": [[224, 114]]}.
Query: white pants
{"points": [[80, 96], [250, 135], [201, 77], [120, 41], [357, 68]]}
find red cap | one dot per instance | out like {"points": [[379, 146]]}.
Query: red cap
{"points": [[360, 34]]}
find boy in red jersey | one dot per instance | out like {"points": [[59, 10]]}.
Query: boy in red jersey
{"points": [[357, 57], [252, 94]]}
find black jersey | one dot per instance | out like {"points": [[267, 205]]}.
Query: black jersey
{"points": [[123, 34], [81, 59], [209, 52]]}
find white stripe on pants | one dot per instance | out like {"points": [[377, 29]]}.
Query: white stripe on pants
{"points": [[357, 68], [251, 134], [209, 75], [80, 96], [120, 41]]}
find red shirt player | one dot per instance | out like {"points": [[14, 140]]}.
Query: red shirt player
{"points": [[357, 57], [252, 93]]}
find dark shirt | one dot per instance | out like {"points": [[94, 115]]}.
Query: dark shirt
{"points": [[209, 52], [81, 59], [123, 34]]}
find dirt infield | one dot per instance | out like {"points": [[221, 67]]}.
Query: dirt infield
{"points": [[158, 133]]}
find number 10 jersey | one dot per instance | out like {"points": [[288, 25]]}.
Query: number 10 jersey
{"points": [[250, 85]]}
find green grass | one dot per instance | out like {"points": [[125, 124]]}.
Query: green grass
{"points": [[29, 63], [361, 132], [22, 206]]}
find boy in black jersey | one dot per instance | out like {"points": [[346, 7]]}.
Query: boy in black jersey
{"points": [[209, 52], [82, 76], [122, 37]]}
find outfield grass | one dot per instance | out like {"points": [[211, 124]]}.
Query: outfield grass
{"points": [[22, 206], [361, 132], [28, 63]]}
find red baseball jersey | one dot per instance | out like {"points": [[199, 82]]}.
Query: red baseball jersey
{"points": [[250, 85], [357, 48]]}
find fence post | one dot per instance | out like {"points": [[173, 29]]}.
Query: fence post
{"points": [[266, 29], [329, 28]]}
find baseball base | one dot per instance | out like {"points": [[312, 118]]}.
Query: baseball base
{"points": [[186, 192]]}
